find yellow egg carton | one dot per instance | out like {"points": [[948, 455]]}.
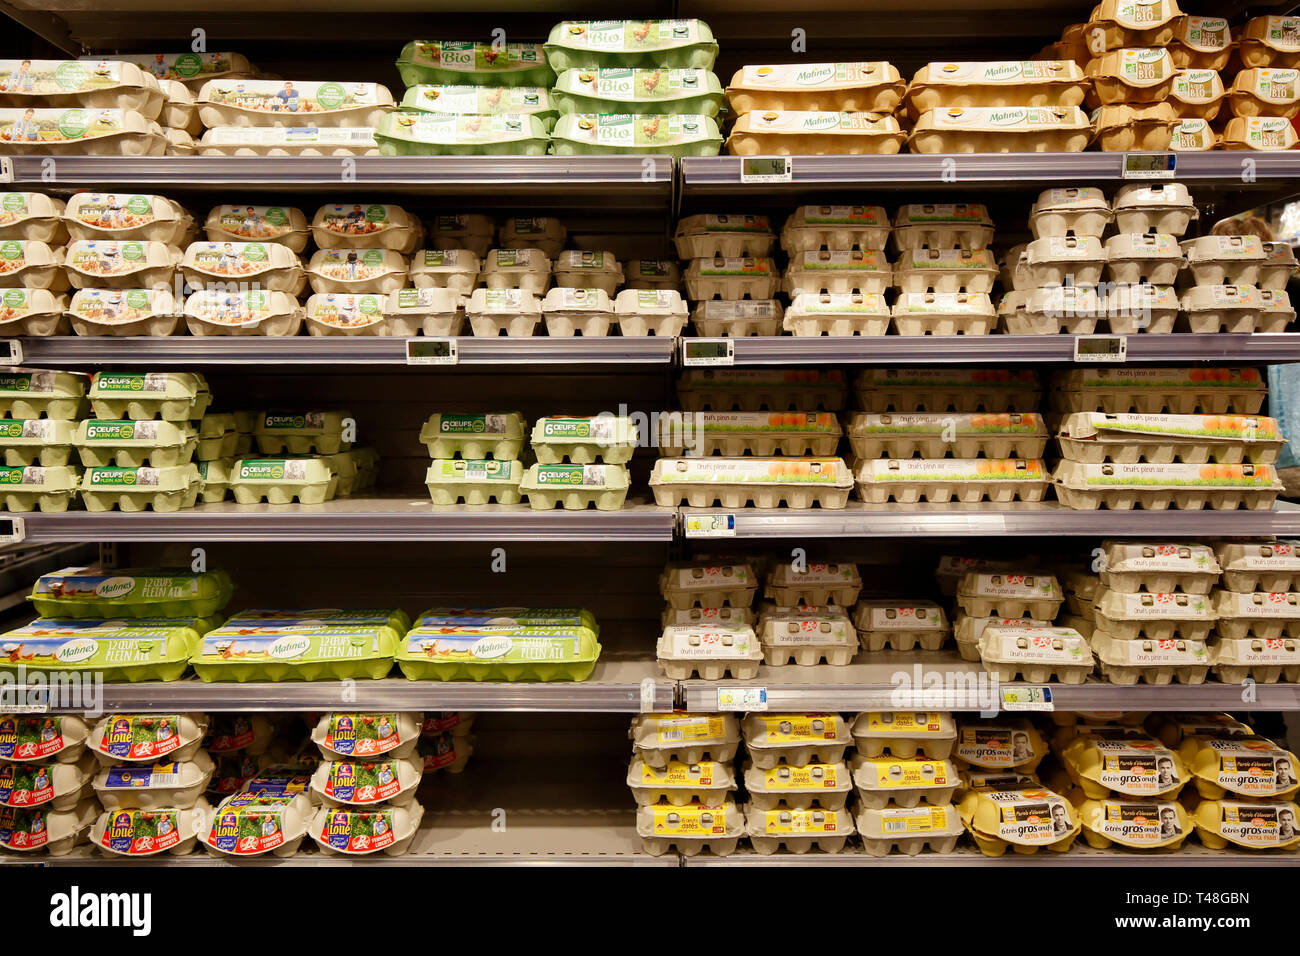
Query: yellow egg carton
{"points": [[129, 444], [762, 482], [1123, 761], [1197, 94], [1265, 91], [43, 829], [814, 584], [1263, 615], [1135, 824], [1163, 208], [1278, 267], [938, 434], [711, 652], [1193, 136], [126, 216], [1036, 654], [1120, 127], [1238, 767], [1158, 487], [168, 784], [814, 228], [1013, 129], [1173, 728], [908, 831], [690, 830], [1023, 83], [39, 488], [575, 487], [837, 314], [1149, 391], [31, 264], [1259, 565], [1132, 566], [909, 390], [806, 635], [753, 389], [869, 87], [1126, 438], [280, 481], [798, 830], [1259, 132], [707, 585], [737, 318], [732, 278], [1267, 825], [865, 272], [902, 782], [968, 480], [967, 630], [904, 735], [726, 236], [794, 739], [825, 786], [1152, 259], [640, 312], [1007, 743], [359, 225], [1025, 820], [652, 274], [814, 133], [32, 216], [998, 594], [938, 313], [680, 784], [33, 312], [660, 739], [900, 625], [726, 616]]}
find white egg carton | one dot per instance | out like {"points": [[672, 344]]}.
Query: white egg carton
{"points": [[1052, 310], [814, 584], [838, 314], [208, 312], [909, 390], [690, 830], [652, 274], [1076, 260], [357, 271], [943, 226], [707, 585], [1259, 565], [1224, 260], [568, 312], [1267, 615], [1154, 258], [123, 312], [456, 270], [1163, 567], [435, 312], [968, 480], [1176, 391], [998, 594], [31, 264], [889, 780], [945, 270], [737, 318], [711, 652], [585, 269], [798, 830], [764, 434], [732, 278], [362, 225], [794, 739], [526, 269], [686, 738], [1036, 654], [513, 312], [533, 232], [659, 312], [904, 734], [1263, 660], [1236, 308], [967, 630], [936, 313], [1160, 487], [824, 785], [1150, 661], [1096, 437], [753, 389], [806, 635], [900, 625], [1132, 309], [810, 228], [1070, 211], [1278, 267], [1154, 208], [727, 236], [865, 272], [33, 312], [680, 784], [909, 831], [1157, 616], [762, 482]]}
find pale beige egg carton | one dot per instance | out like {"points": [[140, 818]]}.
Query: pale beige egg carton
{"points": [[1176, 391], [725, 616], [1278, 267], [1121, 127], [357, 271], [38, 266], [641, 312], [816, 584], [1036, 655], [279, 269], [687, 738], [708, 236], [400, 790], [404, 820], [63, 829], [472, 231], [125, 133], [327, 313], [1054, 260], [1266, 133], [939, 390], [968, 480], [568, 312], [679, 784], [709, 652], [1194, 136], [944, 85], [294, 822], [652, 274], [456, 270], [866, 86], [1162, 567], [252, 104], [702, 584], [787, 642], [1155, 616], [945, 271], [907, 782], [182, 788], [230, 224], [126, 216], [754, 389], [798, 830], [525, 269], [900, 625], [1265, 91], [813, 228], [1197, 93], [815, 133], [737, 318], [533, 232], [35, 312], [123, 312], [1088, 487], [1224, 260], [512, 312], [1133, 75], [1154, 259], [908, 832], [999, 594], [282, 141], [839, 272], [179, 108], [972, 435], [1266, 615], [795, 739], [936, 313], [1134, 309], [1079, 211], [764, 434], [585, 269], [270, 313], [732, 278], [1265, 661], [942, 225], [437, 312], [1236, 308], [967, 630], [762, 482], [821, 785], [1153, 23], [1259, 565], [186, 822], [1075, 309], [904, 734], [1164, 208], [97, 263], [349, 226], [188, 730], [180, 143], [690, 830], [1096, 437], [1272, 41], [1039, 129]]}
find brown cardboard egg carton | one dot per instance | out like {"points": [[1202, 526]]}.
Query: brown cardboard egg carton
{"points": [[873, 87], [955, 388], [938, 313], [709, 585], [690, 830], [967, 630], [1121, 127], [1278, 267], [824, 785], [999, 594], [737, 318], [1151, 661], [1197, 94], [1054, 260], [814, 133], [813, 228], [723, 236], [1263, 660], [1224, 260], [1165, 208], [660, 739], [945, 270], [1096, 437], [1259, 565], [908, 831], [1075, 309], [1025, 821], [762, 482], [1133, 309], [1163, 567], [824, 313], [1036, 654], [1194, 136], [866, 272], [1270, 41], [1134, 75], [904, 734], [732, 278], [798, 830], [1016, 129], [888, 780], [1201, 43], [679, 784], [1265, 91], [1236, 308], [900, 625], [968, 480], [814, 584], [794, 739], [1025, 83], [1160, 487], [937, 434], [755, 389], [1241, 766], [806, 635], [1156, 616], [660, 312], [1176, 391], [709, 652], [1268, 133], [1070, 211], [942, 226], [1152, 258], [1118, 23], [1267, 615]]}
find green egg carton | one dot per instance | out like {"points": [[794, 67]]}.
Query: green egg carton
{"points": [[140, 396], [527, 653], [626, 90], [132, 444], [584, 439], [37, 441], [90, 592], [281, 480], [37, 488], [217, 435], [367, 462], [660, 134], [510, 617], [294, 649], [474, 481], [246, 420], [140, 489], [480, 64], [672, 44], [575, 487], [452, 134], [346, 473], [301, 433], [393, 617], [42, 393], [214, 479], [490, 435], [481, 100], [122, 651]]}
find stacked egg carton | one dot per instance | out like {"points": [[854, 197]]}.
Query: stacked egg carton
{"points": [[708, 625], [761, 411], [475, 458], [1236, 284], [982, 417], [33, 283], [40, 410], [838, 272], [1011, 615], [241, 746], [805, 618], [731, 277], [1258, 612], [904, 782], [225, 438], [446, 741], [305, 456], [943, 261], [951, 571], [1164, 438], [581, 462]]}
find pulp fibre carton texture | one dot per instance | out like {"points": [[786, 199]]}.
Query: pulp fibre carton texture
{"points": [[736, 278], [301, 433], [972, 435], [461, 99], [945, 271], [32, 217], [33, 487], [939, 313], [728, 236], [586, 268], [1165, 208], [806, 636], [826, 313], [668, 44], [142, 396], [941, 86], [190, 69], [456, 270], [247, 102], [329, 313], [680, 784], [367, 736], [209, 312], [357, 270], [795, 739], [36, 441], [1050, 129], [138, 833], [1137, 75], [129, 444], [904, 782], [728, 616], [687, 585], [288, 141], [908, 831], [1119, 127], [124, 216], [1259, 565], [1151, 660], [1251, 825], [498, 435], [474, 482], [798, 830], [1265, 92], [124, 312], [709, 651], [1003, 744], [308, 650], [1155, 616], [502, 652], [767, 482], [460, 134], [582, 311], [900, 625], [745, 317], [273, 266], [814, 584], [1224, 260], [1123, 762], [1197, 94], [967, 631], [656, 274], [1151, 258], [78, 132], [1096, 437], [1158, 487], [32, 264], [908, 480], [660, 312], [1263, 660], [575, 487], [1037, 654], [864, 272], [1258, 614], [686, 738], [1024, 820], [248, 825], [754, 389], [1269, 41], [690, 829], [495, 312], [1131, 566], [367, 783], [54, 786], [665, 134], [1236, 308], [475, 64], [1279, 265], [639, 91], [544, 233], [1240, 767], [734, 434], [1182, 391], [90, 592], [813, 133], [33, 312], [813, 228], [280, 480], [146, 738], [1259, 132], [1146, 23], [1079, 211], [942, 390], [409, 312], [904, 735], [1172, 728], [1054, 259], [122, 651], [1194, 136], [801, 787], [1134, 824], [28, 740], [108, 84], [361, 225], [861, 87], [42, 829], [274, 225], [470, 231]]}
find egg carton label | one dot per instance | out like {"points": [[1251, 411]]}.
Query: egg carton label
{"points": [[355, 781], [689, 820], [1142, 823], [247, 825], [800, 728], [678, 730], [682, 775], [899, 821], [808, 777], [141, 832], [140, 737], [30, 738], [23, 785]]}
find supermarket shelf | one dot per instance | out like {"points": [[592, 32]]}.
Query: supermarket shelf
{"points": [[1191, 854], [940, 680], [1003, 349], [541, 351], [1048, 518], [354, 519], [618, 685]]}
